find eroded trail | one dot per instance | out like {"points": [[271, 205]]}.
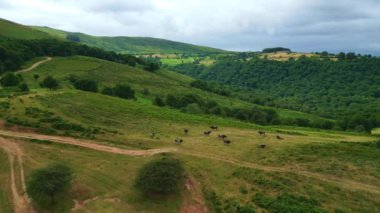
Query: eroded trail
{"points": [[86, 143], [20, 200], [342, 182], [35, 65]]}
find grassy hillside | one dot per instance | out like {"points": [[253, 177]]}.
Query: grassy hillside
{"points": [[18, 31], [133, 45], [158, 84]]}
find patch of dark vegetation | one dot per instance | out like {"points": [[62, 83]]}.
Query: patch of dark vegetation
{"points": [[4, 105], [22, 122], [164, 176], [35, 112], [120, 90], [288, 203], [47, 142], [211, 87]]}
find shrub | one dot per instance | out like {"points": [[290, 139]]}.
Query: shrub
{"points": [[46, 183], [49, 82], [107, 91], [246, 209], [158, 101], [124, 91], [164, 176], [9, 80], [86, 85], [23, 87]]}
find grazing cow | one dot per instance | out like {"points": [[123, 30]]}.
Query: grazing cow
{"points": [[214, 127], [222, 136], [261, 133], [262, 146], [226, 141], [186, 131], [178, 141], [279, 137], [208, 132]]}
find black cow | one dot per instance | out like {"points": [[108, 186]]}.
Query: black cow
{"points": [[178, 141], [208, 132], [279, 137], [261, 133], [214, 127], [262, 146], [186, 131], [226, 141], [222, 136]]}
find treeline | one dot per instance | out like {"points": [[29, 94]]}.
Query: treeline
{"points": [[194, 104], [346, 90], [14, 53], [275, 49]]}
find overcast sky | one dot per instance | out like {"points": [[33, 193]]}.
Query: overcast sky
{"points": [[302, 25]]}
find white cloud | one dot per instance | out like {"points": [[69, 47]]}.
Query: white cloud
{"points": [[240, 24]]}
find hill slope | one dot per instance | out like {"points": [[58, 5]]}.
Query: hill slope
{"points": [[18, 31], [133, 45]]}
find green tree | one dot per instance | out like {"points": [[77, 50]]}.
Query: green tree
{"points": [[49, 82], [124, 91], [86, 85], [164, 176], [47, 183], [9, 80], [23, 87], [158, 101]]}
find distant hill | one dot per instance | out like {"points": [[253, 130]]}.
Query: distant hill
{"points": [[133, 45], [18, 31]]}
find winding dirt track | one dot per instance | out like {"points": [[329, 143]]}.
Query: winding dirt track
{"points": [[348, 184], [20, 201], [35, 65]]}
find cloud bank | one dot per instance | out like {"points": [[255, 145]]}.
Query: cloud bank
{"points": [[311, 25]]}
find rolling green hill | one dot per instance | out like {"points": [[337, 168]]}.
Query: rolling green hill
{"points": [[18, 31], [133, 45]]}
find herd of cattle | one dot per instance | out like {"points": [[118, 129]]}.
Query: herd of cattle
{"points": [[223, 137]]}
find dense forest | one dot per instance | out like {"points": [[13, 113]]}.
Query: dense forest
{"points": [[14, 53], [347, 89]]}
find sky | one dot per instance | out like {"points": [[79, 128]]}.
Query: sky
{"points": [[241, 25]]}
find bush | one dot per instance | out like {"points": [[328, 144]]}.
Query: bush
{"points": [[46, 183], [9, 80], [23, 87], [158, 101], [124, 91], [86, 85], [107, 91], [164, 176], [49, 82]]}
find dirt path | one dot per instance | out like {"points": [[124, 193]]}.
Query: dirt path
{"points": [[20, 201], [193, 202], [35, 65], [343, 182], [86, 144]]}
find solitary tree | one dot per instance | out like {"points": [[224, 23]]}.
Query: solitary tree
{"points": [[46, 183], [164, 176], [124, 91], [49, 82], [9, 80]]}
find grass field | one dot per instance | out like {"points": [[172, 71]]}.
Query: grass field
{"points": [[284, 56], [376, 131], [309, 171]]}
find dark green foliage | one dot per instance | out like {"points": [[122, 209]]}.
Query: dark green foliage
{"points": [[152, 67], [378, 144], [345, 90], [275, 49], [72, 37], [86, 85], [9, 80], [211, 87], [158, 101], [146, 91], [164, 176], [246, 209], [49, 82], [288, 203], [36, 76], [107, 91], [47, 183], [124, 91], [23, 87]]}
